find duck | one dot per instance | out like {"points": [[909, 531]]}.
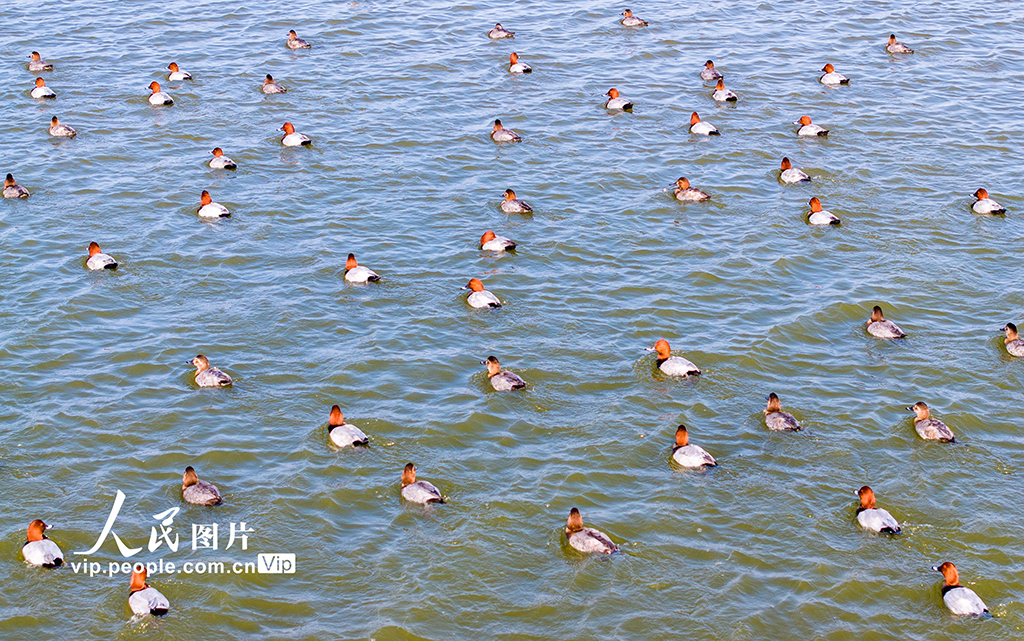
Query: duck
{"points": [[881, 327], [207, 376], [831, 77], [514, 66], [98, 260], [587, 539], [344, 434], [985, 205], [873, 518], [512, 205], [960, 600], [499, 32], [698, 126], [157, 97], [493, 243], [709, 73], [420, 492], [500, 134], [142, 598], [13, 189], [39, 550], [616, 102], [721, 94], [928, 428], [776, 419], [210, 209], [629, 20], [292, 139], [897, 47], [502, 381], [356, 273], [270, 86], [819, 216], [479, 297], [688, 455], [41, 91], [791, 175], [295, 42], [1014, 344], [672, 365], [198, 492], [807, 128], [220, 161], [59, 130], [38, 64], [684, 191], [177, 74]]}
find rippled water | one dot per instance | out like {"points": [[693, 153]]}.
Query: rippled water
{"points": [[398, 101]]}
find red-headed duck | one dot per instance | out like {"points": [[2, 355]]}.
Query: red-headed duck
{"points": [[897, 47], [721, 94], [220, 161], [672, 365], [293, 139], [819, 216], [688, 455], [808, 128], [831, 77], [882, 327], [198, 492], [295, 42], [1013, 342], [60, 130], [684, 191], [177, 74], [502, 380], [873, 518], [959, 600], [629, 20], [38, 64], [356, 273], [499, 32], [13, 189], [494, 243], [928, 428], [41, 90], [270, 86], [709, 73], [776, 419], [512, 205], [789, 174], [420, 492], [143, 599], [480, 297], [698, 126], [985, 205], [514, 66], [617, 102], [344, 434], [210, 209], [157, 97], [587, 539], [98, 260], [39, 550], [207, 376], [500, 134]]}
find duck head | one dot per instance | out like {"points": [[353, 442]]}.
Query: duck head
{"points": [[774, 404], [408, 474], [867, 498], [661, 346], [189, 478]]}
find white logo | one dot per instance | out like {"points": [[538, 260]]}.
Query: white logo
{"points": [[275, 563]]}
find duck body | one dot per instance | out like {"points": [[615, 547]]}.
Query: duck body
{"points": [[897, 47], [222, 162], [499, 33], [213, 210], [822, 218], [885, 329], [506, 381], [498, 244], [781, 422], [346, 435], [932, 429], [690, 194], [963, 601], [505, 135], [812, 130], [39, 65], [591, 541], [43, 92], [632, 21], [176, 76], [877, 520], [1015, 347], [483, 299], [987, 206], [833, 79], [677, 366], [520, 68], [618, 103], [212, 377], [101, 261], [202, 493], [148, 601], [43, 553], [794, 175], [360, 274], [273, 87], [160, 98], [422, 492], [295, 139], [15, 191], [724, 95], [61, 130], [295, 42], [692, 456], [703, 128], [515, 206], [710, 74]]}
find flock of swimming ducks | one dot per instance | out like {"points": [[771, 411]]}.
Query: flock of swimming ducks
{"points": [[39, 550]]}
